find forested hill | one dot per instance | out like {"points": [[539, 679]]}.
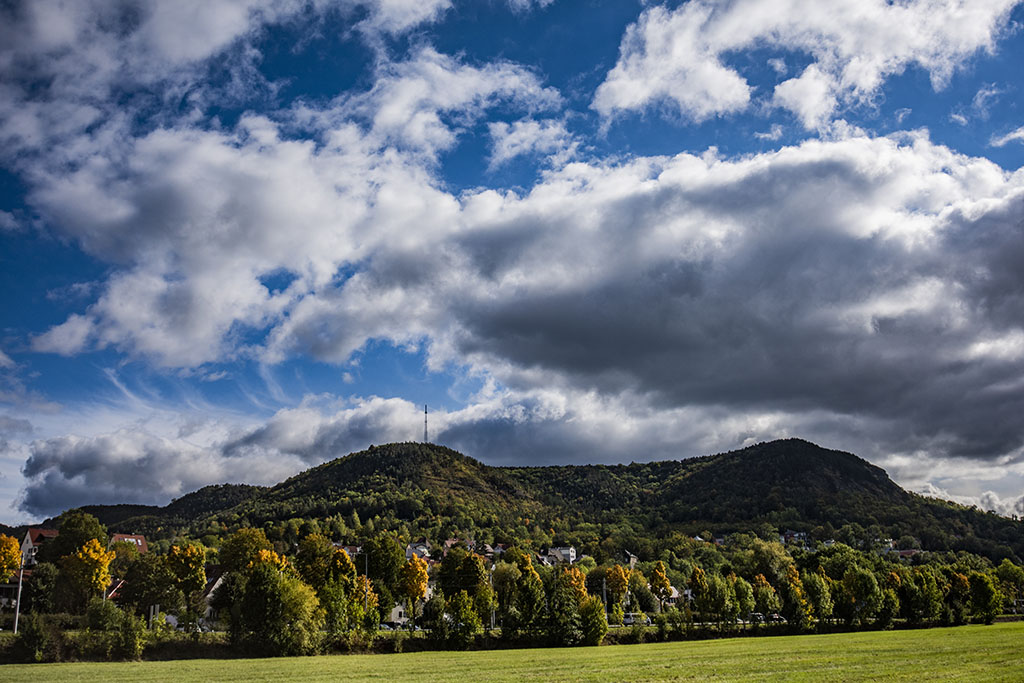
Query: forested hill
{"points": [[424, 489]]}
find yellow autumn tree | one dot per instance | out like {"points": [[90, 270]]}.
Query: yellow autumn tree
{"points": [[617, 581], [660, 585], [363, 592], [88, 569], [342, 566], [412, 581], [279, 562], [10, 557], [188, 563], [578, 582]]}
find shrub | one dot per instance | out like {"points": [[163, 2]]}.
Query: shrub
{"points": [[131, 636], [36, 642], [102, 615]]}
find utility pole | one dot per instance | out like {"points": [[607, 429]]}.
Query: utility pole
{"points": [[17, 608], [491, 584]]}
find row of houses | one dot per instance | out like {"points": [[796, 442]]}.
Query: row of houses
{"points": [[422, 548], [36, 538]]}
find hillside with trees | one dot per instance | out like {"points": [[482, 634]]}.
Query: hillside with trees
{"points": [[426, 490], [781, 537]]}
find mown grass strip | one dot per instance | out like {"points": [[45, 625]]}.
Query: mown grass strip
{"points": [[982, 653]]}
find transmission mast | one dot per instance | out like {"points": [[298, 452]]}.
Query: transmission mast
{"points": [[425, 440]]}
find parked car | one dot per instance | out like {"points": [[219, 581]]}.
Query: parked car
{"points": [[629, 618]]}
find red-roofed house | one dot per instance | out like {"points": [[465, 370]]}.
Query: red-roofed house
{"points": [[138, 540], [34, 538]]}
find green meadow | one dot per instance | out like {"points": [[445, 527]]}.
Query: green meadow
{"points": [[982, 653]]}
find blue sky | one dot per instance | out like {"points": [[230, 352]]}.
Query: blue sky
{"points": [[242, 238]]}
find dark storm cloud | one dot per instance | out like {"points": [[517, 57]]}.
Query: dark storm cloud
{"points": [[810, 307]]}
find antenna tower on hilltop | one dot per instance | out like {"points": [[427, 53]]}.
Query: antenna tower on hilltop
{"points": [[425, 440]]}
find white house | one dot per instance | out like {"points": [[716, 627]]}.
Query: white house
{"points": [[34, 539], [561, 554]]}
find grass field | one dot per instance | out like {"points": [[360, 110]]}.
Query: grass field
{"points": [[982, 653]]}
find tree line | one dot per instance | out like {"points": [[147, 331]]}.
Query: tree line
{"points": [[286, 598]]}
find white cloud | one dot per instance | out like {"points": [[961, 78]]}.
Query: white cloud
{"points": [[774, 133], [810, 96], [5, 361], [676, 56], [198, 217], [529, 136], [8, 221], [66, 339], [399, 16], [421, 102], [666, 56], [527, 5], [1013, 136], [987, 500], [984, 98]]}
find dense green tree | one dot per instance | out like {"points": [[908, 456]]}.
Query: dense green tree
{"points": [[76, 529], [529, 600], [279, 614], [472, 575], [744, 593], [150, 581], [41, 594], [925, 603], [125, 555], [313, 560], [593, 622], [242, 548], [463, 619], [889, 608], [859, 596], [433, 618], [699, 592], [564, 625], [819, 594], [956, 599], [335, 597], [720, 601], [1011, 583], [506, 589], [986, 601], [385, 557]]}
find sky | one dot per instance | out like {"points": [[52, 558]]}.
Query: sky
{"points": [[242, 238]]}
